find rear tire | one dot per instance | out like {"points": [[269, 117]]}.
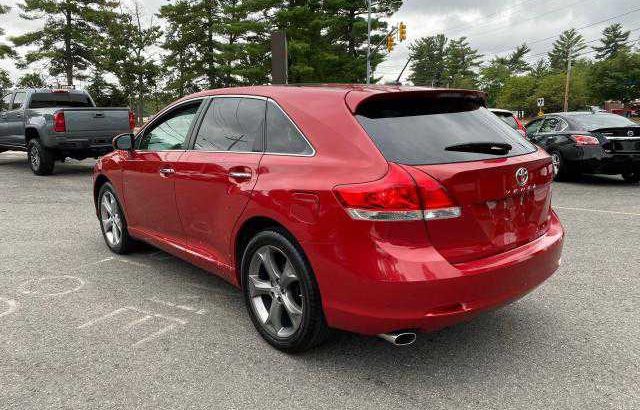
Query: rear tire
{"points": [[112, 221], [281, 293], [41, 160], [632, 177], [561, 171]]}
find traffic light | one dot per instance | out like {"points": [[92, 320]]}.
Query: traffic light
{"points": [[402, 32], [391, 42]]}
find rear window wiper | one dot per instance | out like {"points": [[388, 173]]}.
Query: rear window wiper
{"points": [[491, 148]]}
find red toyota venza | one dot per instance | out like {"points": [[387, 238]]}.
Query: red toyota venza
{"points": [[377, 210]]}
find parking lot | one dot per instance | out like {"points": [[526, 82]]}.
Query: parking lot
{"points": [[84, 328]]}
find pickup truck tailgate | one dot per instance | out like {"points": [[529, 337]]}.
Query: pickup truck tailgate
{"points": [[96, 121]]}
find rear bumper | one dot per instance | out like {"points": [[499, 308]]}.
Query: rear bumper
{"points": [[596, 160], [430, 293]]}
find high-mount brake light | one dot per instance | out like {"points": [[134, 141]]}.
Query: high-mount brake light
{"points": [[397, 197], [58, 122], [585, 140]]}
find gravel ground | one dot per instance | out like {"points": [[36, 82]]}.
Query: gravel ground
{"points": [[66, 301]]}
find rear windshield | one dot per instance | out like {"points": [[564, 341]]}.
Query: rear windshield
{"points": [[62, 100], [590, 122], [418, 131], [508, 119]]}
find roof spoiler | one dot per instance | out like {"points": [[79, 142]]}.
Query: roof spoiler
{"points": [[356, 98]]}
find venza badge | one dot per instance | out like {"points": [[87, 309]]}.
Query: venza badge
{"points": [[522, 176]]}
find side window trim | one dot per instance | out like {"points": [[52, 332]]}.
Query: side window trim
{"points": [[205, 107], [313, 149], [565, 125], [164, 114]]}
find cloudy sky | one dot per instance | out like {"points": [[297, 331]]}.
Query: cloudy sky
{"points": [[492, 26]]}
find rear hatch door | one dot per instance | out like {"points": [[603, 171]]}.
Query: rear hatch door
{"points": [[501, 182]]}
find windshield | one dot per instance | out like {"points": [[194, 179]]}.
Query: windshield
{"points": [[590, 122], [60, 100], [422, 131]]}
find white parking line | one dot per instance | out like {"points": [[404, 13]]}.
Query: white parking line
{"points": [[601, 211]]}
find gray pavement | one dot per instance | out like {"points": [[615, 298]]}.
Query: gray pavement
{"points": [[83, 328]]}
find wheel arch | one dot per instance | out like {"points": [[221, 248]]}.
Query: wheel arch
{"points": [[30, 133], [100, 181], [248, 229]]}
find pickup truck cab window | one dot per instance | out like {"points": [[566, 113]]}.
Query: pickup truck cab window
{"points": [[18, 100], [170, 132], [232, 124], [5, 103], [60, 100]]}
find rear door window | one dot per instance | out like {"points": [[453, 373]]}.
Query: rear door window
{"points": [[550, 124], [423, 130], [533, 127], [232, 124]]}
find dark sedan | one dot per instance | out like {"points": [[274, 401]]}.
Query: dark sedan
{"points": [[589, 142]]}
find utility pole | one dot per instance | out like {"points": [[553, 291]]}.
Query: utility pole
{"points": [[368, 41], [568, 83], [403, 70]]}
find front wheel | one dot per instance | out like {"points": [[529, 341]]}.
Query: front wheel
{"points": [[112, 221], [632, 177], [41, 160], [281, 294]]}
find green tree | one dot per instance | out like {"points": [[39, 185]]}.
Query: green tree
{"points": [[68, 38], [126, 53], [614, 39], [540, 69], [617, 78], [428, 61], [492, 80], [519, 93], [31, 80], [568, 45], [462, 64], [515, 61], [5, 49], [552, 87], [180, 45], [5, 81]]}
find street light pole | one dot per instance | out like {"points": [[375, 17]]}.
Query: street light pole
{"points": [[368, 41], [568, 83]]}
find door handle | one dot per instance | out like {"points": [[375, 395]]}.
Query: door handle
{"points": [[167, 171], [240, 175]]}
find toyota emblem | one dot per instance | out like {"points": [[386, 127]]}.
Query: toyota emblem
{"points": [[630, 133], [522, 176]]}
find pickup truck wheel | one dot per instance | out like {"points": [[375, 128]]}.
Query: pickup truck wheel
{"points": [[112, 221], [41, 160]]}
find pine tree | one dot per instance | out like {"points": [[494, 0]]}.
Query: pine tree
{"points": [[5, 81], [462, 63], [515, 61], [5, 49], [569, 45], [614, 39], [68, 39], [125, 52], [31, 80], [428, 66]]}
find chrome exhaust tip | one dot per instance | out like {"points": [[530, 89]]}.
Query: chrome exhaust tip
{"points": [[399, 338]]}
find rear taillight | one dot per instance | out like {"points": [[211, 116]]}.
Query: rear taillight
{"points": [[585, 140], [59, 123], [397, 197], [132, 120]]}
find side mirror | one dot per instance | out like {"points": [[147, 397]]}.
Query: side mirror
{"points": [[123, 142]]}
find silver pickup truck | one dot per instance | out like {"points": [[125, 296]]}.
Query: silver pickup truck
{"points": [[52, 125]]}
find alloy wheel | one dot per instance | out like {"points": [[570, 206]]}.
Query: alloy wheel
{"points": [[34, 153], [275, 292], [110, 217], [555, 159]]}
